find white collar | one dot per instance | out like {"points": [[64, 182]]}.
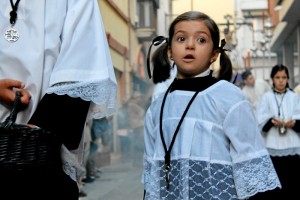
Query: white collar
{"points": [[205, 73]]}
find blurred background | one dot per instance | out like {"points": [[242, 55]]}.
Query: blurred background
{"points": [[260, 34]]}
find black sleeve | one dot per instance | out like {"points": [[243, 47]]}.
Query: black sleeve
{"points": [[268, 125], [297, 126], [63, 115]]}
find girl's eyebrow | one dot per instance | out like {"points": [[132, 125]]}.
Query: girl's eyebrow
{"points": [[198, 32], [180, 31]]}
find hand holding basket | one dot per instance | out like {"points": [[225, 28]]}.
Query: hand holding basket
{"points": [[25, 149]]}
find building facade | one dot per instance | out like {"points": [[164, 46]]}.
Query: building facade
{"points": [[285, 42], [130, 27]]}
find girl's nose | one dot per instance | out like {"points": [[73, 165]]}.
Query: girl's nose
{"points": [[190, 43]]}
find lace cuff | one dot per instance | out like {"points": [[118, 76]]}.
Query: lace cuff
{"points": [[194, 179], [253, 176], [101, 93], [71, 165], [189, 179]]}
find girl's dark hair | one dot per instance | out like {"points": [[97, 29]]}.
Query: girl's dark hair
{"points": [[278, 68], [160, 60], [161, 63]]}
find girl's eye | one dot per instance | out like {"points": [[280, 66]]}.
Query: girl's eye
{"points": [[201, 40], [180, 39]]}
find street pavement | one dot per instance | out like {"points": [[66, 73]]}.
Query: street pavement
{"points": [[120, 180]]}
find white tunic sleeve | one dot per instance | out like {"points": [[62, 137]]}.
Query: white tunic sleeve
{"points": [[62, 49], [265, 109], [84, 60], [252, 167]]}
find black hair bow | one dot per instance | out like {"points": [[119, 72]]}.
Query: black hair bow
{"points": [[156, 41], [223, 42]]}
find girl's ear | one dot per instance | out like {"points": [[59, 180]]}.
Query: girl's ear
{"points": [[170, 53], [214, 55]]}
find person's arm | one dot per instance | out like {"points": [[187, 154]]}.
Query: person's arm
{"points": [[268, 125], [296, 127], [63, 115]]}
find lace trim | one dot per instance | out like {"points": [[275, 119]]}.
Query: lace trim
{"points": [[284, 152], [191, 179], [71, 165], [101, 93], [256, 175]]}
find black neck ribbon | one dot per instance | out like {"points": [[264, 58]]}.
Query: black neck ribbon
{"points": [[168, 150], [13, 13]]}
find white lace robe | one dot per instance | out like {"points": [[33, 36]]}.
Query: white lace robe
{"points": [[218, 153], [289, 105], [62, 49]]}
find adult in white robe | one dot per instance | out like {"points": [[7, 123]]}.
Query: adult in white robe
{"points": [[254, 88], [62, 52]]}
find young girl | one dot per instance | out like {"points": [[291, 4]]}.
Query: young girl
{"points": [[201, 136], [278, 115]]}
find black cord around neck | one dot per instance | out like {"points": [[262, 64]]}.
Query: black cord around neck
{"points": [[13, 12], [168, 151]]}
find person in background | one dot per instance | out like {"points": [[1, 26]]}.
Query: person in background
{"points": [[201, 136], [278, 115], [254, 88], [136, 114], [123, 130], [99, 134], [57, 55]]}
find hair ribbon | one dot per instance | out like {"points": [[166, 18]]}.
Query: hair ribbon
{"points": [[156, 41], [223, 42]]}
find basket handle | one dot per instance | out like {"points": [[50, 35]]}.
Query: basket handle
{"points": [[13, 111]]}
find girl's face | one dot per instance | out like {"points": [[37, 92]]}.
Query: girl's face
{"points": [[280, 81], [192, 48]]}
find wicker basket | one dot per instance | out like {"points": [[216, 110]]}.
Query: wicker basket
{"points": [[24, 149]]}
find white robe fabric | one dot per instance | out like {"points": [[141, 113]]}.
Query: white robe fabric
{"points": [[62, 49], [218, 153], [289, 105]]}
